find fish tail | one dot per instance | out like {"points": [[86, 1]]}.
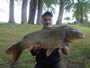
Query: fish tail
{"points": [[15, 51]]}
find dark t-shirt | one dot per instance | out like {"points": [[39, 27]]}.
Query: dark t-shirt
{"points": [[42, 58]]}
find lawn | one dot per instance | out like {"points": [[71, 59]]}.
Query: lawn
{"points": [[12, 33]]}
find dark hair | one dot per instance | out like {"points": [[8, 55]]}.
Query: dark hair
{"points": [[47, 14]]}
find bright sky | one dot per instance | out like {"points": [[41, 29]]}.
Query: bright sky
{"points": [[4, 12]]}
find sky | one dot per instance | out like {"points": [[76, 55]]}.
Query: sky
{"points": [[4, 12]]}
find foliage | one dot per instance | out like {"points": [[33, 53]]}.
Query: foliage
{"points": [[77, 10], [67, 18], [80, 9], [69, 5], [50, 2], [50, 5]]}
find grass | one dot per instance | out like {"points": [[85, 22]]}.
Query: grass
{"points": [[12, 33]]}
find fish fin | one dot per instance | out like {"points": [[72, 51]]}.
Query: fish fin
{"points": [[49, 51], [15, 51]]}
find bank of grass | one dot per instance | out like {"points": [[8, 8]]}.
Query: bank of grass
{"points": [[12, 33]]}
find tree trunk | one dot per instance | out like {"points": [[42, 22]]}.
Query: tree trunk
{"points": [[39, 14], [77, 19], [81, 12], [86, 18], [61, 11], [11, 12], [32, 11], [24, 12]]}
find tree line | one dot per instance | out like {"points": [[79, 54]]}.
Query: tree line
{"points": [[81, 9]]}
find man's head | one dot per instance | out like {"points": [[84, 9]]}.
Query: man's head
{"points": [[47, 19]]}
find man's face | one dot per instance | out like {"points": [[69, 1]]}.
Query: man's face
{"points": [[47, 21]]}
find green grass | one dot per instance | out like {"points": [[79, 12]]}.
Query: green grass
{"points": [[12, 33]]}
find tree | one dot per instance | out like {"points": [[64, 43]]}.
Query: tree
{"points": [[32, 11], [39, 14], [11, 12], [24, 12], [61, 10], [81, 10]]}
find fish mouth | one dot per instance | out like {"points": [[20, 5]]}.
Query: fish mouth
{"points": [[82, 36]]}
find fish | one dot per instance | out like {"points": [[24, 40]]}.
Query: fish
{"points": [[51, 38]]}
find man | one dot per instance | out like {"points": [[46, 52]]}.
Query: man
{"points": [[43, 61]]}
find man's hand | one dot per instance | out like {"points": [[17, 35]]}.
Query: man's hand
{"points": [[36, 47], [35, 50], [65, 50]]}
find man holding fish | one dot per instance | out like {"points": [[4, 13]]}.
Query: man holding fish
{"points": [[42, 60], [46, 43]]}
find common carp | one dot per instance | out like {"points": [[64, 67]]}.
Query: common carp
{"points": [[54, 37]]}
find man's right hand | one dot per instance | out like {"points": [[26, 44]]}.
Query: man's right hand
{"points": [[36, 47]]}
